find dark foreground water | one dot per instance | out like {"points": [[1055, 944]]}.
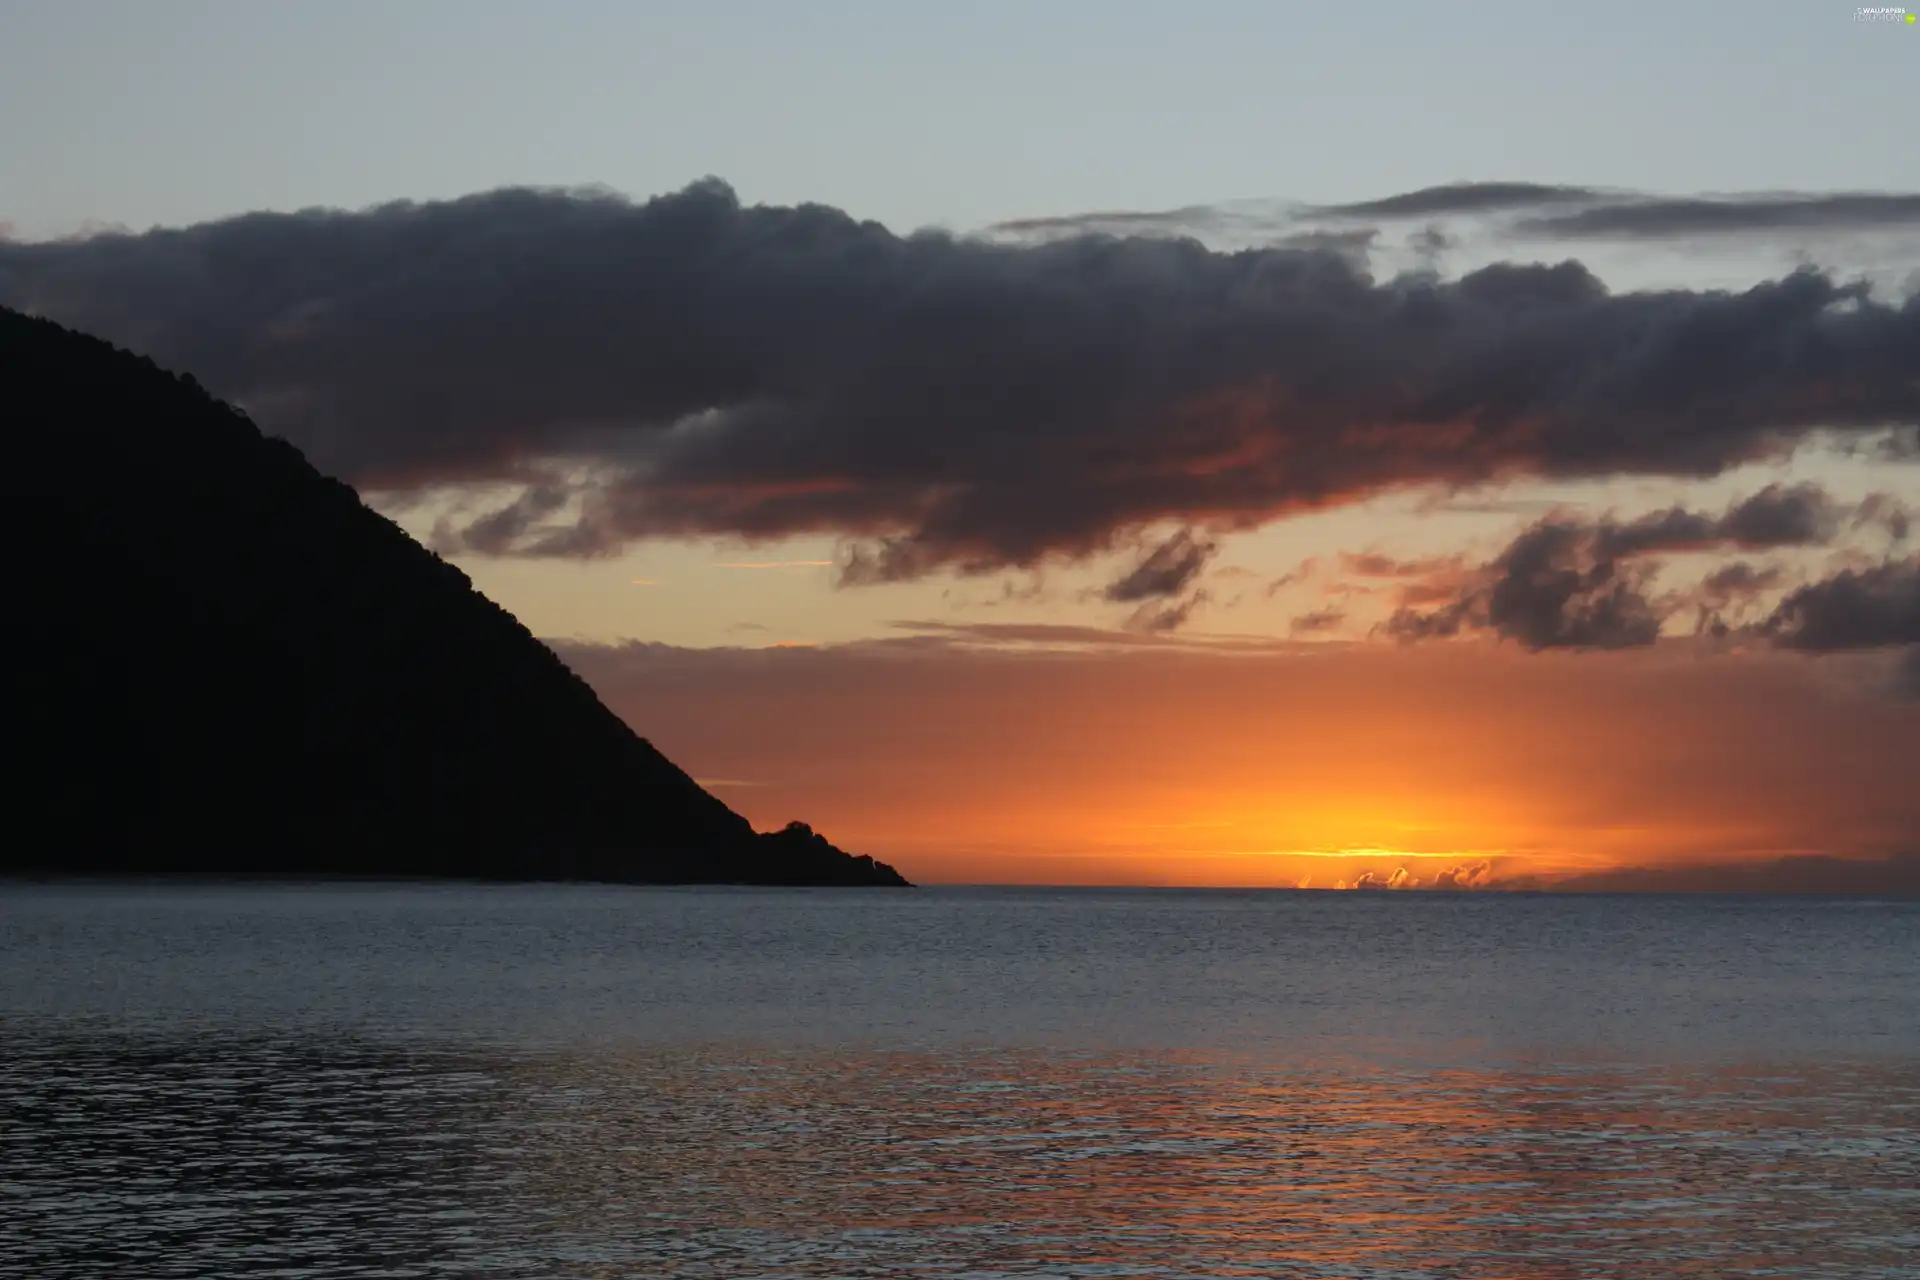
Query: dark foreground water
{"points": [[318, 1081]]}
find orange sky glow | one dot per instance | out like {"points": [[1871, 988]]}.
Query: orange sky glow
{"points": [[1308, 765]]}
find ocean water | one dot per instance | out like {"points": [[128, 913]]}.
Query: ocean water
{"points": [[568, 1081]]}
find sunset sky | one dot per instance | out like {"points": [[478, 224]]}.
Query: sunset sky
{"points": [[1277, 444]]}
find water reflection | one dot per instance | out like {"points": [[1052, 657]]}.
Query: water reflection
{"points": [[310, 1155]]}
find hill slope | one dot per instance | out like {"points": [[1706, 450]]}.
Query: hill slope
{"points": [[224, 662]]}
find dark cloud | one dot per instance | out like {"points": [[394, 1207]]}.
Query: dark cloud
{"points": [[1163, 619], [1781, 515], [1738, 580], [1651, 218], [1886, 513], [1166, 570], [1117, 222], [1266, 223], [1441, 623], [688, 366], [1567, 583], [1800, 515], [1872, 608], [1464, 197], [1371, 564], [1574, 212], [505, 527], [1556, 588], [1320, 621]]}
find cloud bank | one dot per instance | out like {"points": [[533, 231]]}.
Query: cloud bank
{"points": [[1568, 582], [690, 366], [1521, 210]]}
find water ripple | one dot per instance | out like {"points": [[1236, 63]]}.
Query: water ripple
{"points": [[218, 1155]]}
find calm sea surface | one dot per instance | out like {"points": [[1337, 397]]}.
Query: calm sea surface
{"points": [[319, 1081]]}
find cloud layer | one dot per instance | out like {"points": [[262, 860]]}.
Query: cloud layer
{"points": [[1568, 582], [1522, 210], [689, 366]]}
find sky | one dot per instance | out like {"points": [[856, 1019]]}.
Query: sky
{"points": [[1232, 443]]}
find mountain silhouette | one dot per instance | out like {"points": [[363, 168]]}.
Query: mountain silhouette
{"points": [[225, 663]]}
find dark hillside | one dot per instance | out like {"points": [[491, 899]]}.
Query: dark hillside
{"points": [[224, 662]]}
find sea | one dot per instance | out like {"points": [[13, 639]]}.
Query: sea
{"points": [[342, 1080]]}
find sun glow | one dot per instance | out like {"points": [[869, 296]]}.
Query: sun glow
{"points": [[1385, 855], [1350, 766]]}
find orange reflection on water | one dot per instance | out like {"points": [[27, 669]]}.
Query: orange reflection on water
{"points": [[967, 1163]]}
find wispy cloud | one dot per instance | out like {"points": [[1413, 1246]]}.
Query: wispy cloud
{"points": [[1464, 197], [1165, 570], [1522, 210], [1658, 218], [774, 564], [1318, 622], [1044, 635], [1372, 564]]}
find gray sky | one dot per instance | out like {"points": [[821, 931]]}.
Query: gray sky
{"points": [[959, 114]]}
